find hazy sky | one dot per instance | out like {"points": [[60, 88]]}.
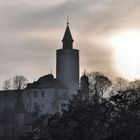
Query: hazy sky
{"points": [[31, 31]]}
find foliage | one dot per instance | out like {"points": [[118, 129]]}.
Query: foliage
{"points": [[99, 118], [99, 83], [36, 129]]}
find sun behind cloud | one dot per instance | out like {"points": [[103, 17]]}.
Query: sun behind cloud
{"points": [[126, 57]]}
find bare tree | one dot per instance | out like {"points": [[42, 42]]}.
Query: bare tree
{"points": [[19, 82], [99, 83], [7, 84], [121, 83], [134, 84]]}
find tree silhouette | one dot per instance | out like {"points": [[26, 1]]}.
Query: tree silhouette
{"points": [[19, 82], [7, 84], [113, 118], [99, 83]]}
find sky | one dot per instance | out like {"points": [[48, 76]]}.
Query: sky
{"points": [[32, 30]]}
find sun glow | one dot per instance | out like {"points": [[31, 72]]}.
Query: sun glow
{"points": [[126, 56]]}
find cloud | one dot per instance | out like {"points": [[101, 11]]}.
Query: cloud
{"points": [[31, 31]]}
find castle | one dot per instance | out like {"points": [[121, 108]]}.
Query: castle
{"points": [[48, 95]]}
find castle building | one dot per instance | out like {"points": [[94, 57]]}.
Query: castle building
{"points": [[49, 94]]}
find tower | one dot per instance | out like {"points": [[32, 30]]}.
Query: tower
{"points": [[67, 63], [84, 88]]}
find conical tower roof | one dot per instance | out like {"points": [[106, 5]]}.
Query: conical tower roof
{"points": [[67, 38], [67, 35]]}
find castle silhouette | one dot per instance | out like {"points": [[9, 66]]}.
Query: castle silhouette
{"points": [[48, 95]]}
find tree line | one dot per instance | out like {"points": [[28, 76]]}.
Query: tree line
{"points": [[18, 82], [112, 117]]}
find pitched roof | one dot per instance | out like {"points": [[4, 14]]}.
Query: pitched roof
{"points": [[46, 81]]}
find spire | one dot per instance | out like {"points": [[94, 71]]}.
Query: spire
{"points": [[84, 71], [51, 71], [67, 38], [67, 19]]}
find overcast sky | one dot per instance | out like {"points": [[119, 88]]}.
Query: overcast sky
{"points": [[31, 31]]}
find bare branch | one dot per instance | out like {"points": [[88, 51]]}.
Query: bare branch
{"points": [[7, 84], [19, 82]]}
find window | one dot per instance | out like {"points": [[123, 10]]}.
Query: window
{"points": [[56, 94], [36, 107], [28, 94], [42, 106], [27, 105], [42, 94], [63, 105], [35, 93]]}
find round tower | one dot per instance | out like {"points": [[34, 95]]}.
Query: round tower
{"points": [[67, 63], [84, 88]]}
